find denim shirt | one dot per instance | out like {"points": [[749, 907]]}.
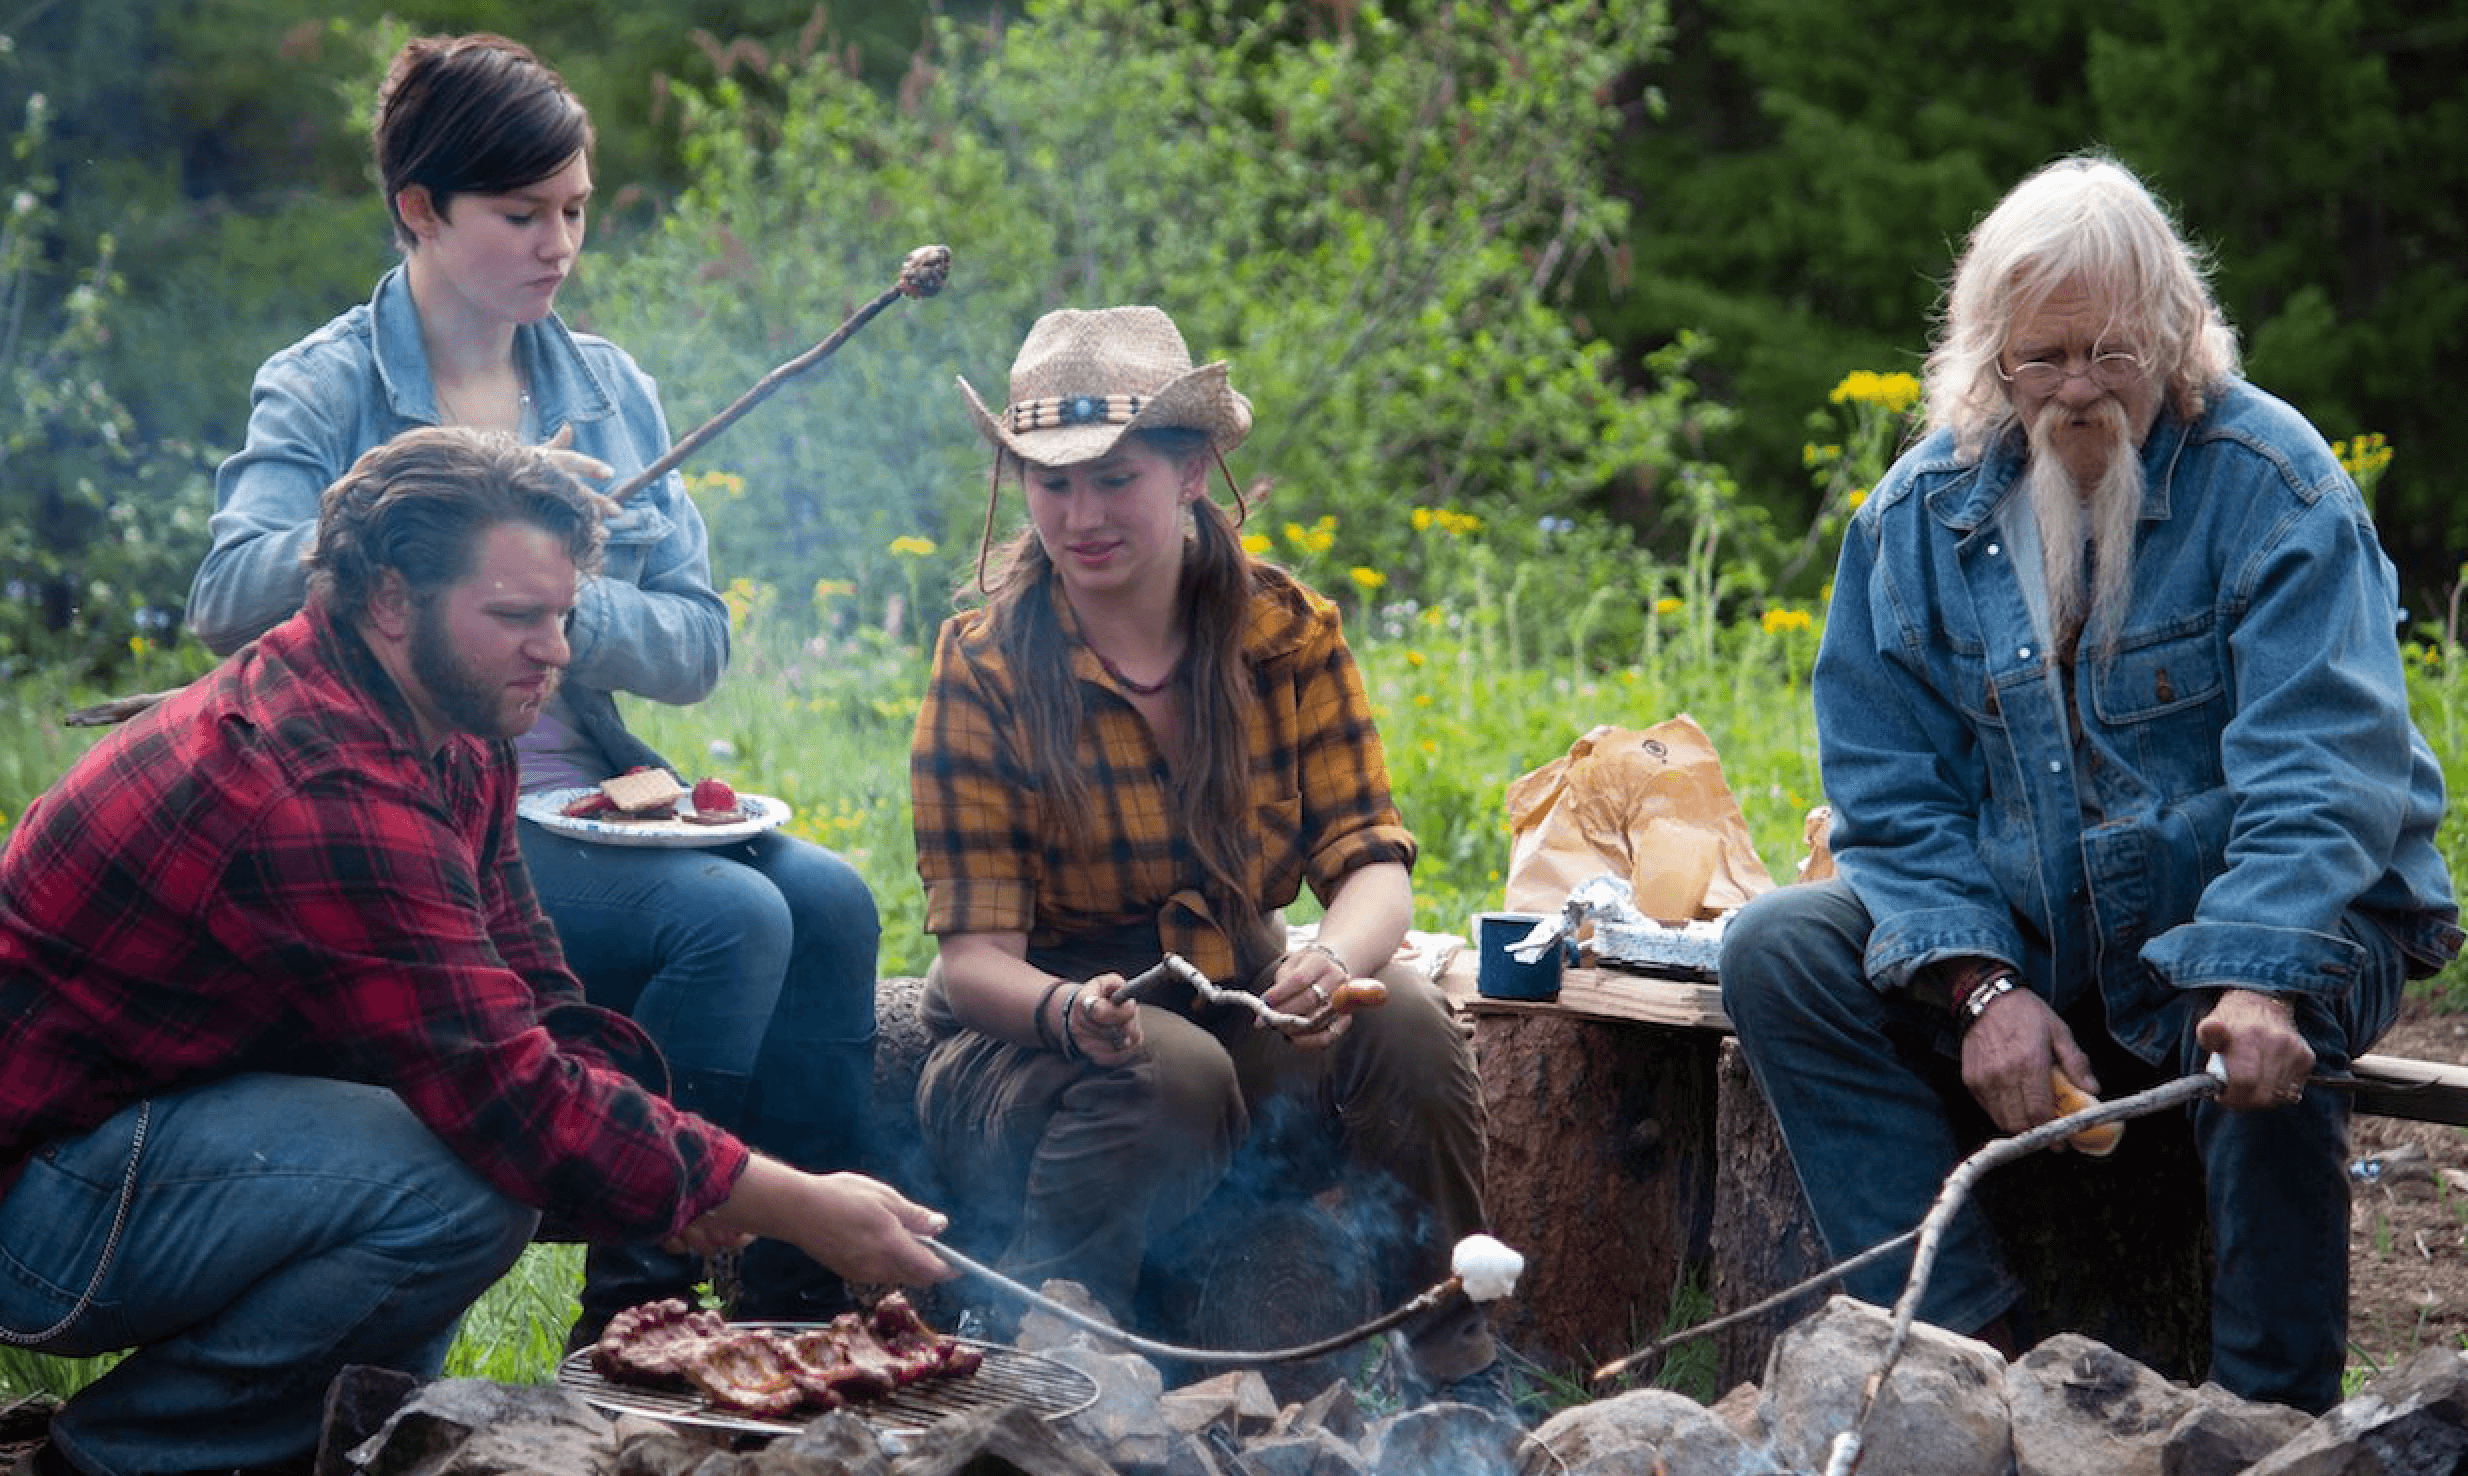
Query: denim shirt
{"points": [[651, 624], [2246, 775]]}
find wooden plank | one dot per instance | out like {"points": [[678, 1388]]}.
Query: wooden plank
{"points": [[2421, 1091], [1606, 994]]}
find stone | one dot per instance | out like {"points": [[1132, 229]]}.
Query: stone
{"points": [[1456, 1438], [1942, 1410], [1010, 1441], [1040, 1331], [1307, 1453], [358, 1403], [840, 1443], [1738, 1409], [1333, 1409], [473, 1427], [1196, 1455], [2080, 1408], [2223, 1434], [662, 1452], [1127, 1423], [2411, 1420], [1649, 1430], [1237, 1403]]}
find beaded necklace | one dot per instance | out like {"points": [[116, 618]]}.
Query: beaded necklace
{"points": [[1144, 689]]}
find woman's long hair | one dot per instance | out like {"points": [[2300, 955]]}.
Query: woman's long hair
{"points": [[1211, 792]]}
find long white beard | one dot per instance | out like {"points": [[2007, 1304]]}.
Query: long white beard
{"points": [[2073, 519]]}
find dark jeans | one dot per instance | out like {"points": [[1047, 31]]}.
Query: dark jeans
{"points": [[281, 1227], [753, 961], [1856, 1077]]}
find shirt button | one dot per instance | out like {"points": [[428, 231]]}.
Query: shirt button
{"points": [[2054, 767], [1994, 550], [2024, 653]]}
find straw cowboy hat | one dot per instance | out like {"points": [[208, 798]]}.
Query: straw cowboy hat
{"points": [[1082, 379]]}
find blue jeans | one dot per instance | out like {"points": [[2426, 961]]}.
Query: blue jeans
{"points": [[751, 962], [1859, 1080], [281, 1228]]}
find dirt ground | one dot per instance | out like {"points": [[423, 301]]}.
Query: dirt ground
{"points": [[2408, 1226]]}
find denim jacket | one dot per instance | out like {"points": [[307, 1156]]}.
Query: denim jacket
{"points": [[651, 624], [2247, 773]]}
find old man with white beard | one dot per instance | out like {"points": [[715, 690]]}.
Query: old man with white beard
{"points": [[2111, 715]]}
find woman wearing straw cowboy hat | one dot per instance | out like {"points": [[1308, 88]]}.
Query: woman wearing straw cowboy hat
{"points": [[1147, 741]]}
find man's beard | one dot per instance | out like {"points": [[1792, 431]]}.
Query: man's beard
{"points": [[2073, 520], [465, 698]]}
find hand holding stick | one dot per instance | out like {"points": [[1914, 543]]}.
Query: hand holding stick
{"points": [[1176, 967]]}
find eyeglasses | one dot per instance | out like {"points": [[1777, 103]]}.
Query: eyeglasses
{"points": [[2110, 371]]}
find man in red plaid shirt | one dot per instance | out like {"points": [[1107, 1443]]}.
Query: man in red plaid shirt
{"points": [[290, 1063]]}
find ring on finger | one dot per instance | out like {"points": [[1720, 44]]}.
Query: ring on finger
{"points": [[1319, 992]]}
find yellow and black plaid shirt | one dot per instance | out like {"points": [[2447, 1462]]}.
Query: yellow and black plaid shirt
{"points": [[994, 859]]}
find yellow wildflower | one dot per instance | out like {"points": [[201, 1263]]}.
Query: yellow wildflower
{"points": [[1781, 619], [1415, 658], [908, 546], [1670, 605], [1256, 545], [1893, 393], [1366, 580]]}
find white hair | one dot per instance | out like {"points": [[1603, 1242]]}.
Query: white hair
{"points": [[2083, 221]]}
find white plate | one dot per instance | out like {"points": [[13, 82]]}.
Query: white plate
{"points": [[545, 808]]}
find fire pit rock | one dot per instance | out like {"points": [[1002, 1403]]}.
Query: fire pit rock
{"points": [[1650, 1430]]}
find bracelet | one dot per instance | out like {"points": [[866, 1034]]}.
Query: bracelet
{"points": [[1045, 1036], [1331, 954], [1976, 1003], [1071, 1039]]}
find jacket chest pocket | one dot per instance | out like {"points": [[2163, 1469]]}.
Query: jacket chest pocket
{"points": [[2167, 700]]}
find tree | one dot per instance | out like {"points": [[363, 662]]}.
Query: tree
{"points": [[1376, 221], [1808, 177]]}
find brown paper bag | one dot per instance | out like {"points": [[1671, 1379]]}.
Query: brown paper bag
{"points": [[1649, 806]]}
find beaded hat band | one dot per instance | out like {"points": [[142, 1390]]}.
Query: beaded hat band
{"points": [[1083, 379]]}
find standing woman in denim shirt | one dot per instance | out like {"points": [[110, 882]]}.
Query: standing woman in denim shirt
{"points": [[751, 964]]}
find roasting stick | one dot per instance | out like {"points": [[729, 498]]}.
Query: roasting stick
{"points": [[922, 274], [1482, 1269], [2007, 1149], [1175, 966], [1791, 1293], [1844, 1458]]}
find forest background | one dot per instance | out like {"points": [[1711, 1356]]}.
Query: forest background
{"points": [[1583, 269]]}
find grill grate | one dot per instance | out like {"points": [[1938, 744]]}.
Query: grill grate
{"points": [[1007, 1377]]}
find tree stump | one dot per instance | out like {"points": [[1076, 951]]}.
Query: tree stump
{"points": [[1601, 1171], [1764, 1238], [1250, 1274]]}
